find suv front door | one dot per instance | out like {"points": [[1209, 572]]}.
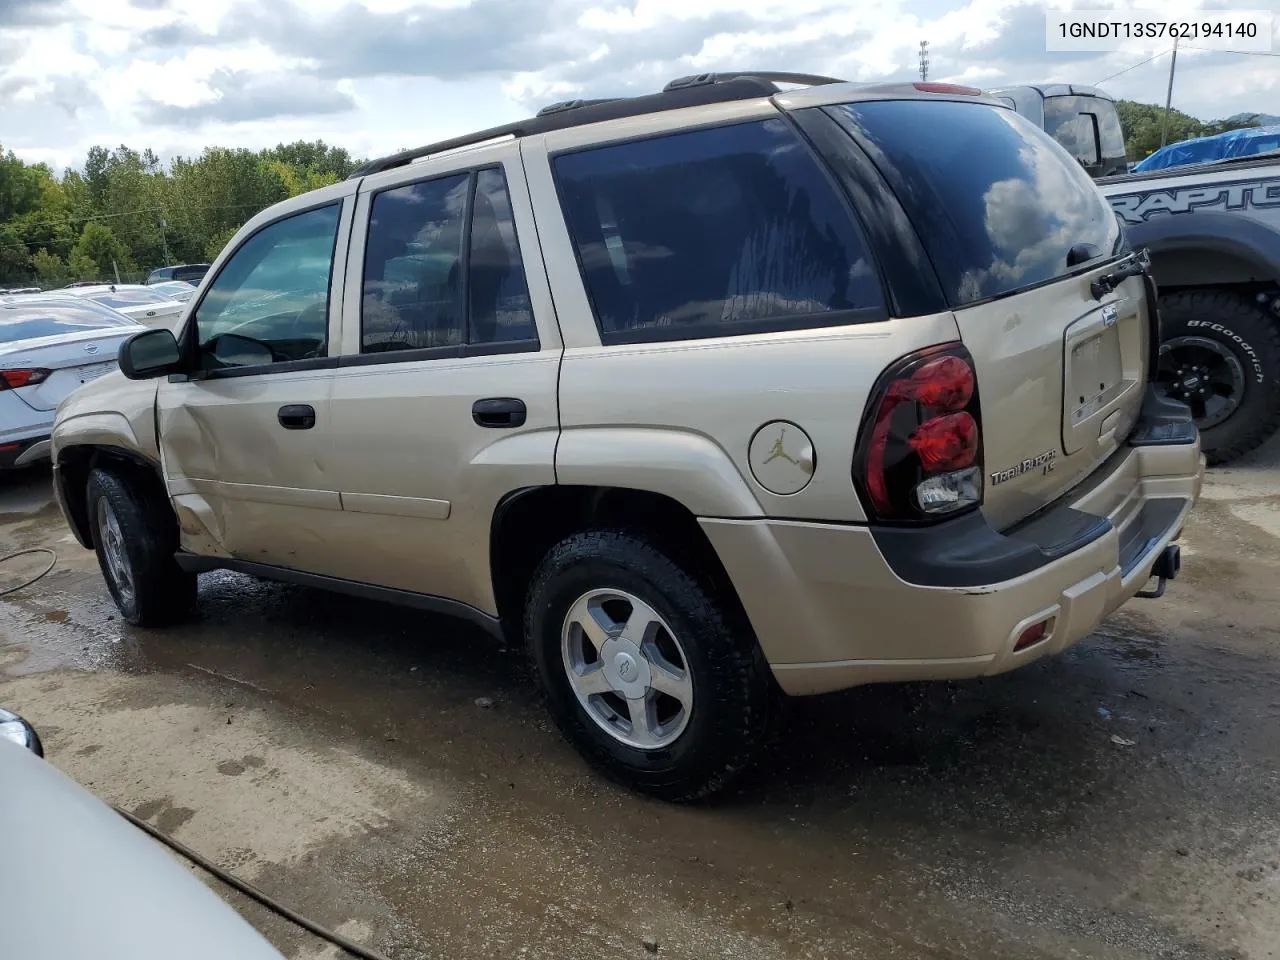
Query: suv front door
{"points": [[246, 439], [445, 397]]}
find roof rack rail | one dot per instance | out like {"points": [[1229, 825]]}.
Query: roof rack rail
{"points": [[572, 105], [769, 76], [698, 90]]}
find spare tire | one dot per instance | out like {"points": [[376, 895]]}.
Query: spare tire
{"points": [[1220, 354]]}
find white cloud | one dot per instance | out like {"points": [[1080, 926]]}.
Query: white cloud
{"points": [[377, 75]]}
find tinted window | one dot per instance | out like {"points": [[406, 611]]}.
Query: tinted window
{"points": [[1089, 128], [413, 267], [272, 295], [28, 321], [997, 202], [419, 291], [497, 293], [714, 232]]}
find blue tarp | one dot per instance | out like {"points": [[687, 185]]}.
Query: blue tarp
{"points": [[1234, 143]]}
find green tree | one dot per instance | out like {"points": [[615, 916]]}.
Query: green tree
{"points": [[15, 259], [100, 246], [49, 268], [1143, 124]]}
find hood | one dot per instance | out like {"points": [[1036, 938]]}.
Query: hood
{"points": [[84, 884]]}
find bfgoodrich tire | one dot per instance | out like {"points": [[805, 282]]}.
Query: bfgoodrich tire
{"points": [[657, 681], [135, 537], [1221, 355]]}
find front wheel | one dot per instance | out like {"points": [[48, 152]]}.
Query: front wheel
{"points": [[652, 676], [1221, 356], [135, 536]]}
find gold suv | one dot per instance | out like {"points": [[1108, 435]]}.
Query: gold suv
{"points": [[705, 396]]}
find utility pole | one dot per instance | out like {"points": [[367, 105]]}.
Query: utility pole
{"points": [[924, 60], [1168, 97], [164, 240]]}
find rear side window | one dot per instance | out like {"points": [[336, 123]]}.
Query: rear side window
{"points": [[716, 232], [996, 201], [1087, 126], [442, 267]]}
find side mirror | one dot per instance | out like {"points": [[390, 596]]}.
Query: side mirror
{"points": [[17, 730], [151, 353]]}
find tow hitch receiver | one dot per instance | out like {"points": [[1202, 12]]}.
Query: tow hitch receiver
{"points": [[1166, 568]]}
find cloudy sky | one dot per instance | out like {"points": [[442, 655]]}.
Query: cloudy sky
{"points": [[380, 75]]}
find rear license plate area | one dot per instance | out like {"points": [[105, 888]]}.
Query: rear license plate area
{"points": [[94, 371], [1095, 374]]}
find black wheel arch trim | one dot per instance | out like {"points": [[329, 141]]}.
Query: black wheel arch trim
{"points": [[1231, 234], [72, 501]]}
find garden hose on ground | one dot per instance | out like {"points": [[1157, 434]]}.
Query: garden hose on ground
{"points": [[53, 559], [337, 939]]}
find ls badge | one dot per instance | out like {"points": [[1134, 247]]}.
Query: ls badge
{"points": [[1044, 462]]}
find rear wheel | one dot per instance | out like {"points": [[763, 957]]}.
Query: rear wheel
{"points": [[135, 537], [651, 675], [1221, 356]]}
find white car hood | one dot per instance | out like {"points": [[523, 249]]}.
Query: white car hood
{"points": [[81, 883]]}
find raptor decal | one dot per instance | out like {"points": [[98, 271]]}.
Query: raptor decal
{"points": [[1245, 195]]}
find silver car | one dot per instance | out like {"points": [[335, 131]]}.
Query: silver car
{"points": [[86, 885], [49, 347]]}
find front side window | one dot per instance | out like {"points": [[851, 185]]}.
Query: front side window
{"points": [[996, 202], [431, 282], [1089, 127], [270, 301], [715, 232]]}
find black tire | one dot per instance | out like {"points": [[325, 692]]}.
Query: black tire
{"points": [[1243, 329], [734, 695], [159, 592]]}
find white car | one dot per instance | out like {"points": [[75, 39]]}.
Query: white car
{"points": [[82, 884], [136, 301], [48, 347]]}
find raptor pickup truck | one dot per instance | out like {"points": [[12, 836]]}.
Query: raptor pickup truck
{"points": [[1213, 232]]}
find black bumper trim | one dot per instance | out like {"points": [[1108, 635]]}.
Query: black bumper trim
{"points": [[968, 552], [9, 457]]}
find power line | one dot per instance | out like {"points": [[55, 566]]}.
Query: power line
{"points": [[1133, 67], [1243, 53]]}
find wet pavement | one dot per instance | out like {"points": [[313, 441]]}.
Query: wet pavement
{"points": [[391, 775]]}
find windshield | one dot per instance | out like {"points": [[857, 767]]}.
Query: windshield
{"points": [[30, 321], [996, 201]]}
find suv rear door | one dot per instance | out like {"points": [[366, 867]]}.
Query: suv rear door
{"points": [[1000, 207], [444, 400]]}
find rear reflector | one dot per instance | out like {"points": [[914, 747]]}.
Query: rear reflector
{"points": [[925, 87], [1033, 635], [13, 379]]}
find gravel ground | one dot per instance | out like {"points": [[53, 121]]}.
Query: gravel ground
{"points": [[391, 775]]}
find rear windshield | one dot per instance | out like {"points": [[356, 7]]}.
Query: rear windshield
{"points": [[30, 321], [996, 201], [126, 298]]}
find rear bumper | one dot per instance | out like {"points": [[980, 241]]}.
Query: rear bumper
{"points": [[835, 606]]}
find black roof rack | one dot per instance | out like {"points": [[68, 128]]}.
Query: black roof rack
{"points": [[693, 91]]}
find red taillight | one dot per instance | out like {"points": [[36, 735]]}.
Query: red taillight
{"points": [[926, 87], [920, 452], [13, 379], [946, 443]]}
